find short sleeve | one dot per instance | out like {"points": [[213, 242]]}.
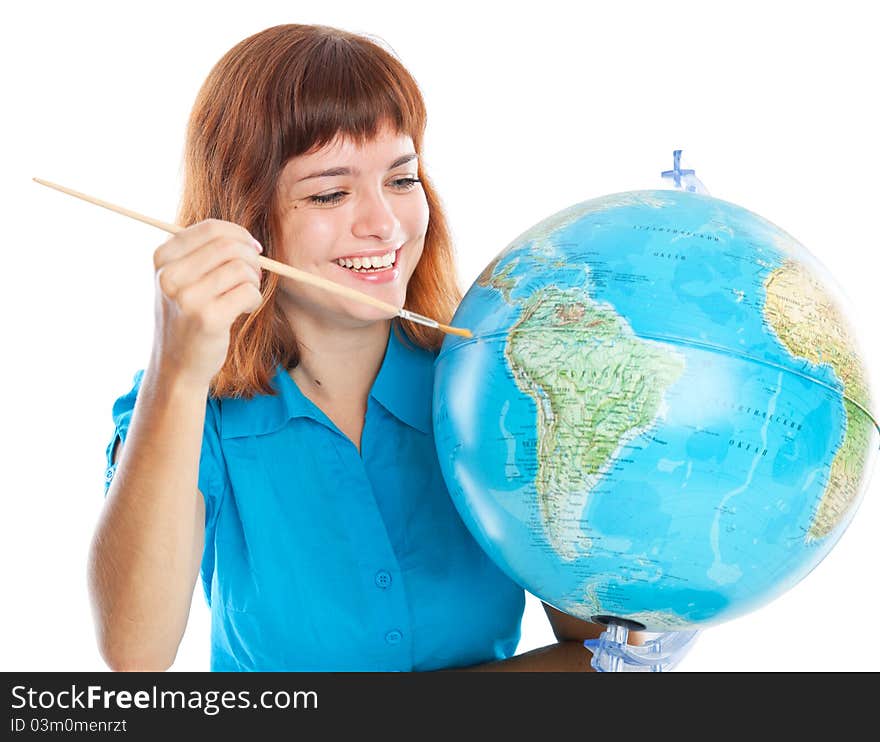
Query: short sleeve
{"points": [[213, 480], [122, 409]]}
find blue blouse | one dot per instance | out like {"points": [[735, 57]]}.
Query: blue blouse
{"points": [[318, 558]]}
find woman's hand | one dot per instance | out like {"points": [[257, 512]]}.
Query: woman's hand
{"points": [[206, 276]]}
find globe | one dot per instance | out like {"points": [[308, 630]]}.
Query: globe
{"points": [[662, 417]]}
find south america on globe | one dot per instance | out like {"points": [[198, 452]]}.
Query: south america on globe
{"points": [[663, 415]]}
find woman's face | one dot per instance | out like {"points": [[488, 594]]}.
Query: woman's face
{"points": [[374, 215]]}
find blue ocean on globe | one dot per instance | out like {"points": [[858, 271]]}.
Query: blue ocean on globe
{"points": [[662, 416]]}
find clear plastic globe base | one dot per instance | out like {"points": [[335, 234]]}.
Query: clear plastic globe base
{"points": [[657, 651], [612, 652]]}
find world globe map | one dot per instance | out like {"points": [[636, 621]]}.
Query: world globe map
{"points": [[663, 415]]}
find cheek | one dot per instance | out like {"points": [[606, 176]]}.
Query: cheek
{"points": [[307, 240], [320, 228], [417, 216], [417, 227]]}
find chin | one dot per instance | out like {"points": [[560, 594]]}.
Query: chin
{"points": [[368, 315]]}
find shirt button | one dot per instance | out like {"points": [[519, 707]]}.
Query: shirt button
{"points": [[393, 637], [383, 579]]}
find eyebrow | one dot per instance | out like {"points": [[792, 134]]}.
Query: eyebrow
{"points": [[354, 171]]}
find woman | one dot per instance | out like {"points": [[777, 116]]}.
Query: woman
{"points": [[279, 441]]}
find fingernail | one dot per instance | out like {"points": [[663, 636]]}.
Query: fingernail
{"points": [[257, 246]]}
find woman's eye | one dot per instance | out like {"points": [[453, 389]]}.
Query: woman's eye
{"points": [[407, 183], [329, 198], [401, 184]]}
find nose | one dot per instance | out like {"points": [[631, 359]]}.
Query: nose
{"points": [[375, 217]]}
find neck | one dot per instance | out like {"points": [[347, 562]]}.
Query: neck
{"points": [[339, 364]]}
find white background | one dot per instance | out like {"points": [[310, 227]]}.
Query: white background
{"points": [[532, 107]]}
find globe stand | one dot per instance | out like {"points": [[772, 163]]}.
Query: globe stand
{"points": [[612, 653]]}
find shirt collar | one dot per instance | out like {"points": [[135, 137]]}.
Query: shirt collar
{"points": [[403, 386]]}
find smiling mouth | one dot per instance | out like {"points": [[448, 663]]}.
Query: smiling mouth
{"points": [[375, 264]]}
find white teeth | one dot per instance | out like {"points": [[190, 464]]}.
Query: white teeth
{"points": [[366, 263]]}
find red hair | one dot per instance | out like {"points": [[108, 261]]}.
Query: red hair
{"points": [[275, 95]]}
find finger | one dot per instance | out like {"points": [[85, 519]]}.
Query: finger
{"points": [[195, 236], [244, 297], [195, 296], [189, 269]]}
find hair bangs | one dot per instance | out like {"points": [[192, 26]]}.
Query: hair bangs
{"points": [[347, 90]]}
